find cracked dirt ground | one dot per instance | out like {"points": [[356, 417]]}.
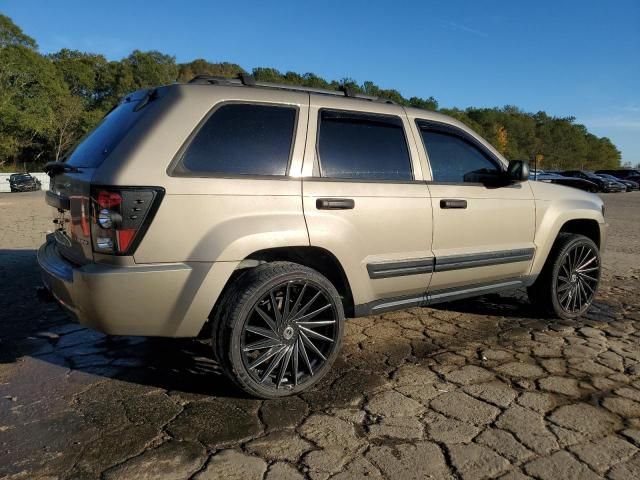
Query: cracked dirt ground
{"points": [[475, 389]]}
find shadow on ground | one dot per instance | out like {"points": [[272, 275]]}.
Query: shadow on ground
{"points": [[29, 327]]}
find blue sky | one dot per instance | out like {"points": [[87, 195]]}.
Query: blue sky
{"points": [[578, 58]]}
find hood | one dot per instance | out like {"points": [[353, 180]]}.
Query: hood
{"points": [[553, 191]]}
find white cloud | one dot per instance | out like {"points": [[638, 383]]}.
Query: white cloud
{"points": [[458, 27]]}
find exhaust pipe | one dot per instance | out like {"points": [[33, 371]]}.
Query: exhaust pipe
{"points": [[44, 295]]}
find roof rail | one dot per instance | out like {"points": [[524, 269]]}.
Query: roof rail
{"points": [[245, 79]]}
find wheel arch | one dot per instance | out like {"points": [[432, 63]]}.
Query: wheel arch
{"points": [[587, 223], [317, 258], [590, 228]]}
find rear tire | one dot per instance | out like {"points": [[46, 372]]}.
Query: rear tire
{"points": [[569, 280], [278, 329]]}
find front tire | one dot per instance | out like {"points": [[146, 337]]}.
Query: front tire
{"points": [[569, 280], [278, 329]]}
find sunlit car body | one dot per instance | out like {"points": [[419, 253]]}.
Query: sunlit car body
{"points": [[261, 215]]}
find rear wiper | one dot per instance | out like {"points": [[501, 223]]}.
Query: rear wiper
{"points": [[149, 97], [55, 168]]}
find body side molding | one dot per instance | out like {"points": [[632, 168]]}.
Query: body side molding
{"points": [[439, 296], [400, 268], [457, 262], [416, 266]]}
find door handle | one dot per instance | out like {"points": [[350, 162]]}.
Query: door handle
{"points": [[453, 203], [335, 203]]}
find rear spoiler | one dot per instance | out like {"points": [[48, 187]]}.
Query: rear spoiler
{"points": [[54, 168]]}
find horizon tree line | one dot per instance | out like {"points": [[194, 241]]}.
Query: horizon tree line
{"points": [[49, 101]]}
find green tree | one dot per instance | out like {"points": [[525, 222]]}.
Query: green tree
{"points": [[187, 71], [29, 90], [147, 69], [48, 102], [11, 34]]}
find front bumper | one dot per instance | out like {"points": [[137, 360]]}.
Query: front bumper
{"points": [[22, 187], [150, 300]]}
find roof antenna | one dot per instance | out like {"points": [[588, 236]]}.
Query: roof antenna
{"points": [[247, 79], [348, 90]]}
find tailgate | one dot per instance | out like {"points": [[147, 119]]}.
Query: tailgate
{"points": [[69, 195]]}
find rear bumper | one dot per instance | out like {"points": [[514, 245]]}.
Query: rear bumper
{"points": [[151, 300]]}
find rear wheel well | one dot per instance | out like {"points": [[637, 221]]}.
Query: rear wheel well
{"points": [[313, 257], [586, 227]]}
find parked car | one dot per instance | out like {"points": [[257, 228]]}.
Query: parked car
{"points": [[629, 185], [262, 215], [623, 173], [23, 182], [604, 184], [533, 173], [574, 182]]}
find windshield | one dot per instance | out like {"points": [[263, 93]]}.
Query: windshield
{"points": [[98, 144], [592, 175], [21, 176]]}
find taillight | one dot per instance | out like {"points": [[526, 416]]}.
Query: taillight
{"points": [[120, 216]]}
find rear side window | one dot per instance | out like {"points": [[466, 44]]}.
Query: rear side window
{"points": [[454, 159], [360, 146], [242, 139], [97, 145]]}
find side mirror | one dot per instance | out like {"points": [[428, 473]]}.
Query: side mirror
{"points": [[518, 171]]}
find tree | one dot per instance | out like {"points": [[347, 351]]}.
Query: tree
{"points": [[48, 102], [424, 103], [70, 122], [84, 75], [187, 71], [11, 34], [148, 69], [29, 89]]}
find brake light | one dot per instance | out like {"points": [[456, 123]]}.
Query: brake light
{"points": [[109, 199], [120, 217]]}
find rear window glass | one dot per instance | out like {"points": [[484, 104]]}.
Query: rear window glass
{"points": [[360, 146], [99, 143], [242, 139]]}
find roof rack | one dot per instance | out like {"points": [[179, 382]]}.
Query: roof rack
{"points": [[244, 79]]}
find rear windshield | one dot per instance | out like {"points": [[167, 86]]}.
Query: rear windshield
{"points": [[98, 144]]}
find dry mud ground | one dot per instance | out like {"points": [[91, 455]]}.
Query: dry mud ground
{"points": [[474, 389]]}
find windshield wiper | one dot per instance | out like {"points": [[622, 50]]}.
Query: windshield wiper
{"points": [[55, 168]]}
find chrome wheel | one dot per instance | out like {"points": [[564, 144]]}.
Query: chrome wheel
{"points": [[289, 334], [577, 278]]}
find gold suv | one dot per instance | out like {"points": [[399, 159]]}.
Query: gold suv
{"points": [[262, 215]]}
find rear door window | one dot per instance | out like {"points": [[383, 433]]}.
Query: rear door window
{"points": [[242, 139], [362, 146]]}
